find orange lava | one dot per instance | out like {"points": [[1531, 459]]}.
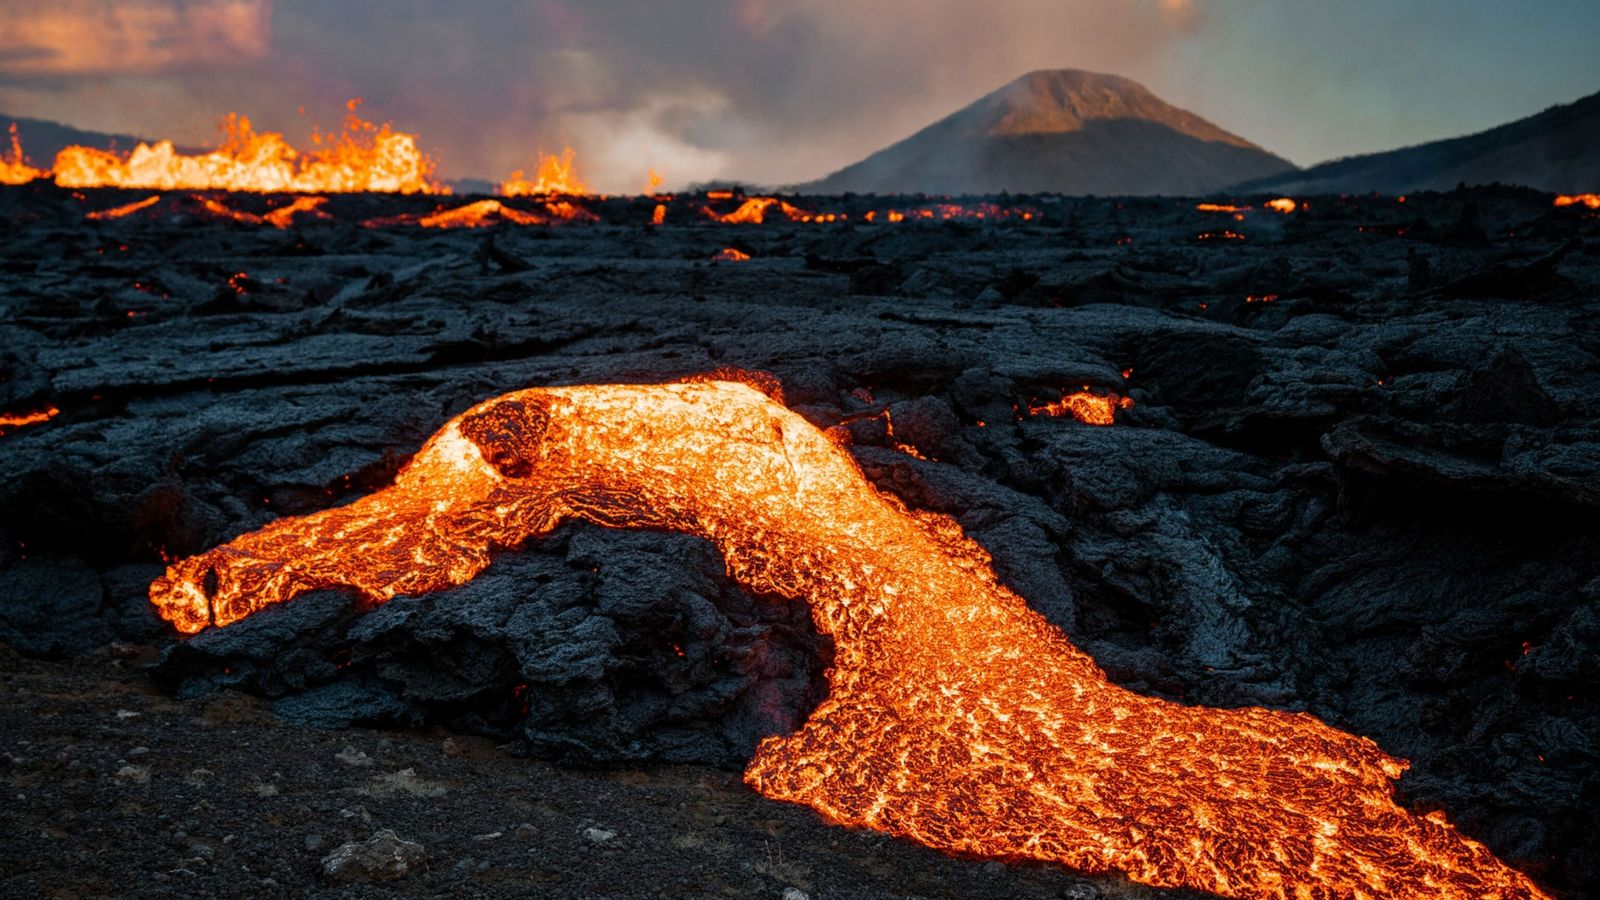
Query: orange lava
{"points": [[1220, 207], [1590, 200], [1085, 406], [363, 157], [1261, 298], [754, 211], [728, 254], [473, 215], [14, 168], [659, 214], [555, 175], [126, 209], [1224, 235], [10, 422], [956, 716], [282, 217], [1282, 204]]}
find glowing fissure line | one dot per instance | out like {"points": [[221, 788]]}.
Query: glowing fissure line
{"points": [[956, 716]]}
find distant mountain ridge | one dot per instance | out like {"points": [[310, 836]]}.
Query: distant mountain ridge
{"points": [[1066, 131], [1556, 150], [42, 139]]}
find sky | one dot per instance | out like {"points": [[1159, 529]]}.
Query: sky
{"points": [[777, 91]]}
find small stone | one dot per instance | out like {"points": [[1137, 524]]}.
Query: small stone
{"points": [[383, 857], [451, 748], [491, 836], [126, 714], [791, 893], [198, 777], [135, 774], [204, 851], [599, 835], [357, 812], [350, 756], [137, 752], [525, 832], [313, 842]]}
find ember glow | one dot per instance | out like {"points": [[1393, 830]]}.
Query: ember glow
{"points": [[473, 215], [554, 175], [1085, 406], [362, 157], [1282, 204], [1219, 207], [126, 209], [1590, 200], [10, 422], [282, 217], [14, 168], [956, 716], [729, 254]]}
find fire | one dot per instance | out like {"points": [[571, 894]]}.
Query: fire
{"points": [[652, 181], [1282, 204], [14, 168], [363, 157], [10, 422], [1085, 406], [659, 214], [555, 175], [728, 254], [1590, 200], [1219, 207], [956, 716]]}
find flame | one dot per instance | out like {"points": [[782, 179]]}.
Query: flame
{"points": [[363, 157], [1590, 200], [14, 168], [1085, 406], [659, 215], [126, 209], [10, 422], [728, 254], [1220, 207], [652, 182], [956, 716], [555, 175], [1282, 204]]}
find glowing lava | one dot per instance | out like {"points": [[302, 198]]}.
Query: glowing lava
{"points": [[554, 175], [363, 157], [1590, 200], [126, 209], [10, 422], [14, 168], [1085, 406], [956, 716], [1282, 204], [729, 254]]}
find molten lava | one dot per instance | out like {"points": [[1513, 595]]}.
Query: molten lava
{"points": [[14, 168], [10, 422], [729, 254], [1219, 207], [554, 175], [363, 157], [1282, 204], [282, 217], [1590, 200], [956, 716], [126, 209], [1085, 406], [754, 211]]}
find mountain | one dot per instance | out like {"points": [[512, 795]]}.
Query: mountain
{"points": [[1064, 131], [42, 139], [1556, 150]]}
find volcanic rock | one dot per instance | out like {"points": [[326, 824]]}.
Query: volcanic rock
{"points": [[1062, 130], [383, 857]]}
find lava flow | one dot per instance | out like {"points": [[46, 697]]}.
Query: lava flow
{"points": [[10, 422], [956, 716], [1085, 406], [363, 157], [1590, 200]]}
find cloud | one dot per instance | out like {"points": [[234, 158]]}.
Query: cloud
{"points": [[56, 38]]}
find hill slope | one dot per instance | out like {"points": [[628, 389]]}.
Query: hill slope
{"points": [[1062, 130], [1555, 150]]}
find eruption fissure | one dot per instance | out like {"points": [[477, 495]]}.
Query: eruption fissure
{"points": [[956, 715]]}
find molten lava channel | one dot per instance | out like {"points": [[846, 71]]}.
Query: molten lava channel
{"points": [[956, 716]]}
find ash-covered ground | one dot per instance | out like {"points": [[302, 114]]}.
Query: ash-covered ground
{"points": [[1360, 478]]}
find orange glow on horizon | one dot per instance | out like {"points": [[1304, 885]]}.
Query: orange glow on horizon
{"points": [[14, 168], [554, 175]]}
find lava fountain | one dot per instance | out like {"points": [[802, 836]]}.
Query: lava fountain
{"points": [[956, 716]]}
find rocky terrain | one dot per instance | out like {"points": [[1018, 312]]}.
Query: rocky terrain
{"points": [[1359, 478], [1062, 130]]}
